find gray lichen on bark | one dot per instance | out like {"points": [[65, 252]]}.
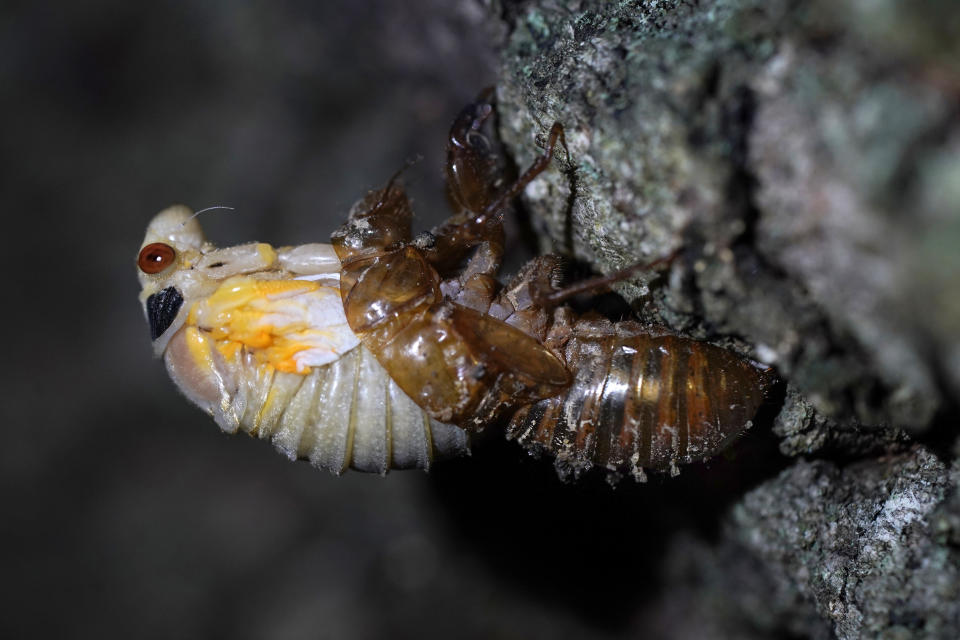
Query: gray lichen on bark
{"points": [[805, 156], [858, 542], [869, 550]]}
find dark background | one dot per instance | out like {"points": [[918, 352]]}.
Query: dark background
{"points": [[126, 512]]}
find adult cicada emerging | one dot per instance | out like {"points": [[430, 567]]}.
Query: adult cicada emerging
{"points": [[383, 350]]}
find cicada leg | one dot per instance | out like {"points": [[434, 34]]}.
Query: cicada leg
{"points": [[463, 232], [472, 169], [473, 180], [473, 188], [544, 293], [530, 298]]}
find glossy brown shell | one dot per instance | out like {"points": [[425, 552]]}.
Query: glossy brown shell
{"points": [[459, 365], [641, 400]]}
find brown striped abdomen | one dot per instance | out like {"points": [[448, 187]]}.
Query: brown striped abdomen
{"points": [[641, 400]]}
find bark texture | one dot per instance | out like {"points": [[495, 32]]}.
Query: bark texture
{"points": [[806, 158]]}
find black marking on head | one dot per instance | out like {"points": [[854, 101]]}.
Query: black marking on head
{"points": [[162, 308], [215, 265]]}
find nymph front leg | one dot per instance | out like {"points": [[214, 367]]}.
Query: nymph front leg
{"points": [[473, 174], [473, 180], [473, 190], [470, 228]]}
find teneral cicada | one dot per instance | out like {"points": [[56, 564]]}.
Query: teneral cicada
{"points": [[383, 350]]}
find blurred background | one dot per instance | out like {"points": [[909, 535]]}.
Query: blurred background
{"points": [[126, 512]]}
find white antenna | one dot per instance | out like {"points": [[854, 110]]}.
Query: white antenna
{"points": [[203, 210]]}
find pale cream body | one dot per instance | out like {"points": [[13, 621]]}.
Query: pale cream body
{"points": [[341, 410]]}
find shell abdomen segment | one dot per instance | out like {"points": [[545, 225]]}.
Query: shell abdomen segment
{"points": [[642, 401]]}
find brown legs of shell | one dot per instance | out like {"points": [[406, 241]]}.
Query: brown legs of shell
{"points": [[529, 300], [544, 295], [473, 190], [472, 171], [496, 207]]}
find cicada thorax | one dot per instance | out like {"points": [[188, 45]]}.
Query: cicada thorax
{"points": [[640, 398], [459, 365]]}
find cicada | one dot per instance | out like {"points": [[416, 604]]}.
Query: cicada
{"points": [[383, 350]]}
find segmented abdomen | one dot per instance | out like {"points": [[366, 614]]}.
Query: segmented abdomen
{"points": [[351, 414], [642, 401], [346, 414]]}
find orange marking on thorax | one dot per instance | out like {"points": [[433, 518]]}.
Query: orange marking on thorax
{"points": [[234, 316]]}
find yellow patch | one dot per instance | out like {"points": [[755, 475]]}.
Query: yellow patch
{"points": [[269, 318], [267, 253], [199, 347]]}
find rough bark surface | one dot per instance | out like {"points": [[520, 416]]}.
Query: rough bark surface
{"points": [[865, 551], [806, 158]]}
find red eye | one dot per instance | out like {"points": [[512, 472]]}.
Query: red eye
{"points": [[156, 257]]}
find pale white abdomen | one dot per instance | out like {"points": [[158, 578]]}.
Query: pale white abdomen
{"points": [[346, 414]]}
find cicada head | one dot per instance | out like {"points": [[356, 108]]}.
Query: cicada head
{"points": [[178, 267], [172, 247]]}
